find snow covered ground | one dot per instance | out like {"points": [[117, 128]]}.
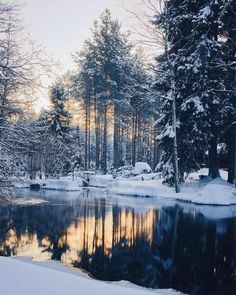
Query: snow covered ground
{"points": [[26, 278], [102, 181], [206, 191], [63, 184], [28, 201]]}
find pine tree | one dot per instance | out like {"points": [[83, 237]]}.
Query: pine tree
{"points": [[228, 31], [112, 85], [59, 115], [112, 52], [87, 82], [203, 106]]}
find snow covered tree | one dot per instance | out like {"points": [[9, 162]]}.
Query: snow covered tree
{"points": [[61, 145], [202, 103], [142, 111], [59, 115], [18, 61], [87, 85], [108, 77], [112, 50]]}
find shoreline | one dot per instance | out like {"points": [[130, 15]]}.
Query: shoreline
{"points": [[21, 276]]}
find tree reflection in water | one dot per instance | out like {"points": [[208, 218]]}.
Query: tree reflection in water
{"points": [[158, 248]]}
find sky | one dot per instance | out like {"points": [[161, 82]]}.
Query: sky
{"points": [[61, 26]]}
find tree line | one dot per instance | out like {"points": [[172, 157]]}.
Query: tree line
{"points": [[110, 91], [124, 111]]}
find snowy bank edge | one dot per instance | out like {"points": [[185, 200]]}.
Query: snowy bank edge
{"points": [[55, 280]]}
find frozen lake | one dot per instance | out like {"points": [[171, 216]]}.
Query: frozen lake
{"points": [[150, 242]]}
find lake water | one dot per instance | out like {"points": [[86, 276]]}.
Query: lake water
{"points": [[147, 241]]}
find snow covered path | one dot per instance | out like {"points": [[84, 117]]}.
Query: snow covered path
{"points": [[22, 278]]}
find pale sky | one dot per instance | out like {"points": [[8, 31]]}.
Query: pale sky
{"points": [[61, 26]]}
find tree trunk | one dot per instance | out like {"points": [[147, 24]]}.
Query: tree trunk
{"points": [[86, 139], [122, 151], [89, 136], [139, 156], [134, 137], [155, 148], [116, 139], [104, 160], [97, 133], [213, 158], [231, 156]]}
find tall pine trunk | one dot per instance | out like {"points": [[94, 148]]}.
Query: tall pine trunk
{"points": [[231, 154], [134, 137], [104, 152], [156, 155], [122, 150], [116, 138], [213, 158], [89, 135], [97, 132], [139, 148], [86, 138]]}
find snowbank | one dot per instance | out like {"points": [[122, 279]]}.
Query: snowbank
{"points": [[22, 278], [102, 181], [30, 201], [142, 177], [151, 188], [66, 184], [208, 192], [54, 184], [107, 181], [142, 167]]}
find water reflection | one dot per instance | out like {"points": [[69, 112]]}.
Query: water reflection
{"points": [[164, 246]]}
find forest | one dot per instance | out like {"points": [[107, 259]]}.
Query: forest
{"points": [[116, 108]]}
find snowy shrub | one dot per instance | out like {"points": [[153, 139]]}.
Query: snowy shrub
{"points": [[142, 168], [124, 171]]}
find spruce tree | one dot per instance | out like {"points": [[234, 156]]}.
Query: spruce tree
{"points": [[202, 103], [59, 115]]}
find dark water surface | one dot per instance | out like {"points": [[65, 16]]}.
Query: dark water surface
{"points": [[150, 242]]}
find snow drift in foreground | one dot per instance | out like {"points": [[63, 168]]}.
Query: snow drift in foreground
{"points": [[22, 278]]}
